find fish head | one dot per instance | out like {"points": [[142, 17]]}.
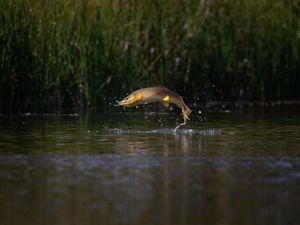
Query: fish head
{"points": [[131, 100]]}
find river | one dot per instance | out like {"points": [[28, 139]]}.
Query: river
{"points": [[233, 166]]}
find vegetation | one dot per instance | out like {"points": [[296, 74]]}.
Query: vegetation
{"points": [[62, 54]]}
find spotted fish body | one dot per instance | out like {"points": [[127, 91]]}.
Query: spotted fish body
{"points": [[156, 94]]}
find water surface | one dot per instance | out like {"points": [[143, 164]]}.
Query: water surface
{"points": [[224, 167]]}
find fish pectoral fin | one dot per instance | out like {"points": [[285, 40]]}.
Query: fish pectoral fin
{"points": [[166, 98], [166, 104]]}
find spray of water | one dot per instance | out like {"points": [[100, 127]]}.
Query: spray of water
{"points": [[178, 127], [117, 103]]}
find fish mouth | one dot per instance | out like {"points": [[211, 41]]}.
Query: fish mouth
{"points": [[125, 102]]}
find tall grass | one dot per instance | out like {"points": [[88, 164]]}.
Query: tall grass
{"points": [[58, 54]]}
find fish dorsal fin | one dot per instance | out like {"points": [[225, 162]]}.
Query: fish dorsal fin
{"points": [[166, 98], [166, 104], [138, 96]]}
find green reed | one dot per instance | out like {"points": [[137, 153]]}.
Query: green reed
{"points": [[62, 54]]}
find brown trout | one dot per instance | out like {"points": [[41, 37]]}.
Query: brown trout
{"points": [[156, 94]]}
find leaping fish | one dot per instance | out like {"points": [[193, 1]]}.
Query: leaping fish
{"points": [[157, 94]]}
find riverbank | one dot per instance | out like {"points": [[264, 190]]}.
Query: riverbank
{"points": [[197, 109], [57, 55]]}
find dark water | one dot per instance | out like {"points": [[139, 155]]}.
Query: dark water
{"points": [[235, 167]]}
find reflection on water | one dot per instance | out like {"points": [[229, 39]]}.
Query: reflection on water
{"points": [[234, 168]]}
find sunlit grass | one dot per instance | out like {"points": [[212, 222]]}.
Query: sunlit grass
{"points": [[76, 53]]}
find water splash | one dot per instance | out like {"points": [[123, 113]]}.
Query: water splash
{"points": [[206, 132], [182, 124], [117, 103]]}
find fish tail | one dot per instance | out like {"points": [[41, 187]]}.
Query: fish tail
{"points": [[186, 111]]}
